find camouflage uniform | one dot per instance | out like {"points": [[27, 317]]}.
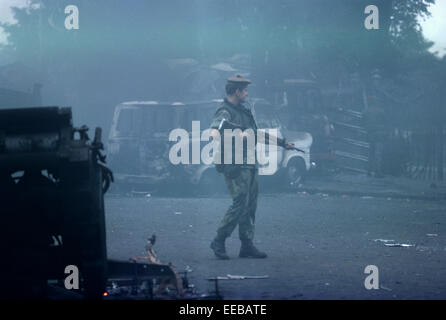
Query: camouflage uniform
{"points": [[241, 180], [243, 190]]}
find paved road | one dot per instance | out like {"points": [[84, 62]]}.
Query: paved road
{"points": [[318, 245]]}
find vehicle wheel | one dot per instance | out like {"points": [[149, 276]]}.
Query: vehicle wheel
{"points": [[295, 172]]}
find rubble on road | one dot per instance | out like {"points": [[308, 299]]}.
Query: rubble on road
{"points": [[405, 245], [392, 243], [147, 278]]}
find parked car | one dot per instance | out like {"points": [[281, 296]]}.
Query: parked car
{"points": [[304, 107], [292, 165]]}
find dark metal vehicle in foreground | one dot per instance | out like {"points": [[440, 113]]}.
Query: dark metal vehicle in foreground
{"points": [[52, 184]]}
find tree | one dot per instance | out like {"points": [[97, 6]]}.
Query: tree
{"points": [[118, 52]]}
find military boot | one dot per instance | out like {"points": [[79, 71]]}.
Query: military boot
{"points": [[248, 250], [218, 245]]}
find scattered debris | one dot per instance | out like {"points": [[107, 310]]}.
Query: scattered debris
{"points": [[385, 288], [152, 278], [150, 252], [140, 193], [236, 277], [232, 277], [324, 195], [391, 243], [383, 240], [399, 245]]}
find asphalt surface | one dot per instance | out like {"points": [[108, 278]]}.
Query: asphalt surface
{"points": [[318, 244]]}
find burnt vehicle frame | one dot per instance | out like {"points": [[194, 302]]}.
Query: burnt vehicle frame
{"points": [[139, 144], [53, 180]]}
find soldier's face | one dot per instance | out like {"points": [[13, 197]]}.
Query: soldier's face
{"points": [[242, 94]]}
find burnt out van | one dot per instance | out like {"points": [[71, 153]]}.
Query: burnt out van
{"points": [[139, 144]]}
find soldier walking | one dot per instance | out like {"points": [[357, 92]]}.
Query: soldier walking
{"points": [[241, 179]]}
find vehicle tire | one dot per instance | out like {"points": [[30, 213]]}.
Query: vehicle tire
{"points": [[295, 173]]}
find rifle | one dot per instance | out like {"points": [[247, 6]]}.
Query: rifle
{"points": [[225, 124]]}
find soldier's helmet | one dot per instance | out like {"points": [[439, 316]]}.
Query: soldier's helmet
{"points": [[238, 79]]}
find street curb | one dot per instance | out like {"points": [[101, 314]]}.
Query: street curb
{"points": [[393, 195]]}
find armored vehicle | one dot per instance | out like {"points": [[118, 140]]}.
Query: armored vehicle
{"points": [[52, 186]]}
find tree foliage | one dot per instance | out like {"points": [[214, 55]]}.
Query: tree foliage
{"points": [[120, 48]]}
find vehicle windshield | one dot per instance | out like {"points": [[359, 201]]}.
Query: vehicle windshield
{"points": [[202, 114], [159, 120], [154, 121], [141, 121]]}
